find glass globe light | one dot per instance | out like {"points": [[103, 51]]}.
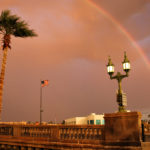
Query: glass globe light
{"points": [[126, 64], [110, 67]]}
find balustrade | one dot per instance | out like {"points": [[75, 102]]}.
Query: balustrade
{"points": [[89, 132], [6, 130], [25, 136], [34, 131], [57, 132]]}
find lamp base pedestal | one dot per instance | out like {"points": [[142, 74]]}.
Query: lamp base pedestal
{"points": [[123, 128]]}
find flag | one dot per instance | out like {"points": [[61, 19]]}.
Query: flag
{"points": [[44, 83]]}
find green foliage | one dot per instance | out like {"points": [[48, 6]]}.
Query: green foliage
{"points": [[63, 122], [13, 25]]}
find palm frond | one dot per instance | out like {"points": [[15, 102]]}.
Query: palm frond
{"points": [[24, 32], [5, 14], [13, 25]]}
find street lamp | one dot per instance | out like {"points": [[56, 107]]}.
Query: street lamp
{"points": [[121, 97], [126, 64]]}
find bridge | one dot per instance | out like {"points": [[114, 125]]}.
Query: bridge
{"points": [[121, 131]]}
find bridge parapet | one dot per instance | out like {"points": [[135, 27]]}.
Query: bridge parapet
{"points": [[71, 133], [82, 133], [6, 129], [121, 130]]}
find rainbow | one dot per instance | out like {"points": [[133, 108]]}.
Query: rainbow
{"points": [[121, 29]]}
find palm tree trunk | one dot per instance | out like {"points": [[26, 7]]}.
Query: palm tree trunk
{"points": [[2, 75]]}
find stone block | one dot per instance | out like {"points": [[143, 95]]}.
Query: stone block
{"points": [[123, 128]]}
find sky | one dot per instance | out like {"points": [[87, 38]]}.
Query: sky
{"points": [[75, 38]]}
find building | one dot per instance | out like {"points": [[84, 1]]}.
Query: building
{"points": [[92, 119]]}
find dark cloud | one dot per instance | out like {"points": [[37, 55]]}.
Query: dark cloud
{"points": [[123, 9]]}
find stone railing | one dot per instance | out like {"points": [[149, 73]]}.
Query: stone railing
{"points": [[92, 132], [36, 131], [72, 133], [6, 129], [121, 131]]}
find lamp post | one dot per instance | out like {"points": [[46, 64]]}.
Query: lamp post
{"points": [[121, 97]]}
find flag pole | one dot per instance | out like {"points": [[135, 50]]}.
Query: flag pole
{"points": [[42, 84], [41, 103]]}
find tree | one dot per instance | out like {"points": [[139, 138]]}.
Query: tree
{"points": [[10, 25], [63, 122]]}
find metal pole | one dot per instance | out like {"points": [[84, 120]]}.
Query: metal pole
{"points": [[41, 104], [119, 87]]}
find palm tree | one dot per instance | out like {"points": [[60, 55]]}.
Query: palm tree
{"points": [[10, 25]]}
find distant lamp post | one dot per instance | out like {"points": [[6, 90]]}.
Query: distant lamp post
{"points": [[121, 97]]}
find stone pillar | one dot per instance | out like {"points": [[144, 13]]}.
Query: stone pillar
{"points": [[55, 133], [123, 128], [17, 130]]}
